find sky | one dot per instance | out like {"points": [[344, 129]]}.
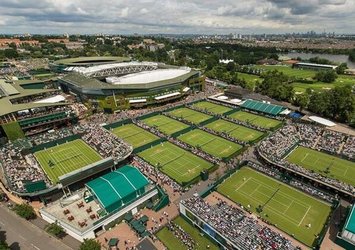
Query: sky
{"points": [[176, 16]]}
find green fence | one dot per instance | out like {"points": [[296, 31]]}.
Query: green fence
{"points": [[117, 124], [164, 200], [148, 115], [55, 143], [184, 131], [146, 146], [212, 119]]}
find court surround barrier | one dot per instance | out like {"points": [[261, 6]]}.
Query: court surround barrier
{"points": [[40, 147]]}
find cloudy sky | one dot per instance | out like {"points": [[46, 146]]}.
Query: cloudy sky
{"points": [[176, 16]]}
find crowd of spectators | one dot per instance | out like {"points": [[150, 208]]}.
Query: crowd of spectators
{"points": [[36, 112], [245, 232], [276, 147], [275, 173], [180, 234]]}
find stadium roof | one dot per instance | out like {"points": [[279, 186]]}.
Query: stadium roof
{"points": [[119, 187], [349, 228], [317, 65], [149, 76], [263, 107], [7, 107], [322, 121], [86, 61]]}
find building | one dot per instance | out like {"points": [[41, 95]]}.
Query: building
{"points": [[29, 107], [315, 66], [104, 202], [115, 86], [346, 238]]}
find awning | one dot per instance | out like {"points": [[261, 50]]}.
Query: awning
{"points": [[222, 97], [186, 89], [54, 99], [167, 96], [137, 100], [322, 121]]}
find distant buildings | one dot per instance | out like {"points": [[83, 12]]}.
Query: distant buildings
{"points": [[314, 66]]}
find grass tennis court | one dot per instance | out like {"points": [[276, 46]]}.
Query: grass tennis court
{"points": [[165, 124], [325, 164], [292, 211], [66, 158], [176, 162], [171, 242], [211, 144], [236, 131], [134, 135], [257, 120], [212, 107], [190, 115]]}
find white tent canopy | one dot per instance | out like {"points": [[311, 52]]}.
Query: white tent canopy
{"points": [[54, 99], [322, 121]]}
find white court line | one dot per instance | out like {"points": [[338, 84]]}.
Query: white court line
{"points": [[243, 184], [304, 216]]}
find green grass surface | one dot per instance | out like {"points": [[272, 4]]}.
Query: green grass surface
{"points": [[342, 80], [66, 158], [287, 70], [134, 135], [212, 107], [211, 144], [236, 131], [165, 124], [190, 115], [174, 161], [257, 120], [339, 169], [289, 209], [171, 242]]}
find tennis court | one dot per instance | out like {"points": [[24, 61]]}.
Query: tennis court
{"points": [[325, 164], [190, 115], [179, 164], [234, 130], [256, 120], [211, 144], [165, 124], [292, 211], [134, 135], [212, 107], [65, 158]]}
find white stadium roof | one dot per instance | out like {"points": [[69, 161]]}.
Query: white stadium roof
{"points": [[148, 76], [322, 121], [96, 68]]}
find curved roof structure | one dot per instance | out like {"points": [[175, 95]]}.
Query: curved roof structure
{"points": [[322, 121], [119, 187], [148, 76], [89, 61]]}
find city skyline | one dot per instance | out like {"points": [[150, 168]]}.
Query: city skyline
{"points": [[176, 17]]}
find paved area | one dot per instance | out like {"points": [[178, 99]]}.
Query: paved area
{"points": [[21, 234]]}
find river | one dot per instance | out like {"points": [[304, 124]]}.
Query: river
{"points": [[330, 57]]}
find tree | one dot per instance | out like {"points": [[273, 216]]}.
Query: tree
{"points": [[341, 68], [90, 244], [4, 245], [302, 100], [10, 53], [55, 229], [327, 76], [230, 66], [25, 211]]}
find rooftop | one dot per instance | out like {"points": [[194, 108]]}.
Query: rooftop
{"points": [[149, 76], [82, 61]]}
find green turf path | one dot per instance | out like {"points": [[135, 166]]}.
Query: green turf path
{"points": [[171, 242], [190, 115], [237, 131], [211, 144], [212, 107], [65, 158], [257, 120], [165, 124], [179, 164], [134, 135], [285, 207], [339, 169]]}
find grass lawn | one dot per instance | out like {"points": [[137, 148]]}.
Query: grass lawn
{"points": [[342, 80], [339, 169], [171, 242], [165, 124], [190, 115], [134, 135], [257, 120], [212, 107], [65, 158], [179, 164], [287, 208], [287, 70], [236, 131], [211, 144]]}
